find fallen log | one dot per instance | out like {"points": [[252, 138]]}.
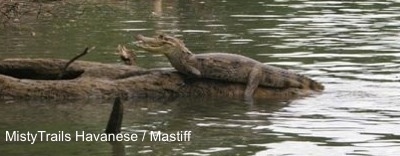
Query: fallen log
{"points": [[39, 78]]}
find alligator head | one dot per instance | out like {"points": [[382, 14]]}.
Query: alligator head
{"points": [[162, 44]]}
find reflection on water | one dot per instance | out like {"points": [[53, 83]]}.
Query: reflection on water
{"points": [[350, 46]]}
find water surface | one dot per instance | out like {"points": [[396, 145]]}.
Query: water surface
{"points": [[350, 46]]}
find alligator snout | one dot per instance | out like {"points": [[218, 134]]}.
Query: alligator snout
{"points": [[144, 39], [139, 37]]}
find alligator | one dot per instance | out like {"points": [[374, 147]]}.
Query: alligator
{"points": [[225, 66]]}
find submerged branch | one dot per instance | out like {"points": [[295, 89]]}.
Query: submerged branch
{"points": [[115, 120]]}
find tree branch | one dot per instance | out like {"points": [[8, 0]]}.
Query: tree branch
{"points": [[63, 70], [115, 120]]}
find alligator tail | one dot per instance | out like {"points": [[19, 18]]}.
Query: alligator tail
{"points": [[307, 83], [281, 78]]}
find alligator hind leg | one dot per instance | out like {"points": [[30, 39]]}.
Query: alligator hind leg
{"points": [[255, 78]]}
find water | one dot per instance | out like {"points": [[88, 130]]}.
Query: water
{"points": [[350, 46]]}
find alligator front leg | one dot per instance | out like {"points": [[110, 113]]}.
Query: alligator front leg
{"points": [[255, 78], [191, 64], [194, 70]]}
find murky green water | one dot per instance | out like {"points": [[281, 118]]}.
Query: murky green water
{"points": [[350, 46]]}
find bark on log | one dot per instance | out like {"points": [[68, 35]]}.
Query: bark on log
{"points": [[38, 78]]}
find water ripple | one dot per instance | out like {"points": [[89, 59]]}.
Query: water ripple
{"points": [[352, 47]]}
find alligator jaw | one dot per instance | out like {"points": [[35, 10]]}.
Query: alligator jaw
{"points": [[150, 44]]}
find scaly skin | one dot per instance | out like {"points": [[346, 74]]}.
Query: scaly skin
{"points": [[224, 66]]}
